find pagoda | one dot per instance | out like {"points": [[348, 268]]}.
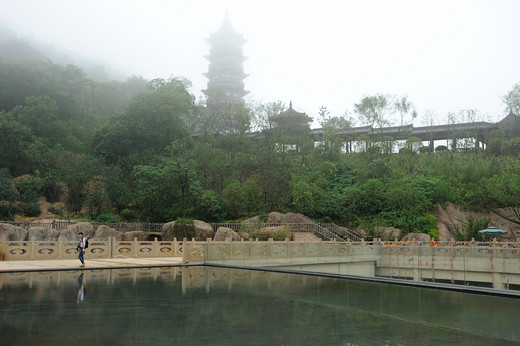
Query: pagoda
{"points": [[225, 91], [292, 121]]}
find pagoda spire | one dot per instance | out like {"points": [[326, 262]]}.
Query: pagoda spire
{"points": [[225, 89]]}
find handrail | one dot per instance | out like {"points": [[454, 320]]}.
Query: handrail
{"points": [[343, 232], [318, 230]]}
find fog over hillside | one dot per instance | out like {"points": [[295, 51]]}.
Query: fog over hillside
{"points": [[446, 56]]}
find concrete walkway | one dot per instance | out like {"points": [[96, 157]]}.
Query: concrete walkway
{"points": [[127, 262]]}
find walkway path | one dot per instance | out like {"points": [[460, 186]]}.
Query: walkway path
{"points": [[127, 262]]}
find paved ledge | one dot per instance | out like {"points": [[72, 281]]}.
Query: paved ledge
{"points": [[126, 262]]}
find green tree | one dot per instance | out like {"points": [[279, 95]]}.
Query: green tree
{"points": [[41, 116], [375, 111], [152, 121], [512, 100], [14, 139]]}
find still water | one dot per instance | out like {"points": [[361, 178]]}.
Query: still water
{"points": [[218, 306]]}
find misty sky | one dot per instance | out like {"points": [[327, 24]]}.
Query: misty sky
{"points": [[445, 55]]}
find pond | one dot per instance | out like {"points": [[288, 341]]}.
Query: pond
{"points": [[222, 306]]}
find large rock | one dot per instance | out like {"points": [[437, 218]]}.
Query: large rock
{"points": [[295, 218], [71, 232], [451, 219], [298, 222], [275, 232], [167, 231], [252, 221], [416, 237], [140, 235], [12, 233], [203, 230], [104, 232], [388, 233], [224, 233], [274, 217], [41, 233]]}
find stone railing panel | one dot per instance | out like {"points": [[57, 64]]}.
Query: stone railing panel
{"points": [[98, 249]]}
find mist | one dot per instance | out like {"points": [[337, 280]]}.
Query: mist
{"points": [[445, 56]]}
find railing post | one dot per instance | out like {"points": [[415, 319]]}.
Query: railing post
{"points": [[60, 248], [135, 247], [175, 247], [33, 244], [155, 246], [3, 248]]}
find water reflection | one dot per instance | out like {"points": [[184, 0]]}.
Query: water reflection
{"points": [[200, 305], [81, 289]]}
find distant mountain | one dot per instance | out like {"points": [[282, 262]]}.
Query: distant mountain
{"points": [[14, 48]]}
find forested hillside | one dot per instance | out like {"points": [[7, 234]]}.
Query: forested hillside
{"points": [[125, 151]]}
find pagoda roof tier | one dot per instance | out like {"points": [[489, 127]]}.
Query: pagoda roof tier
{"points": [[215, 91], [237, 59], [290, 117], [226, 34], [240, 75]]}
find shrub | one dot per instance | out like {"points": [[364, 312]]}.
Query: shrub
{"points": [[29, 189], [184, 228], [51, 189], [56, 210], [470, 230], [107, 218], [7, 211], [30, 209], [127, 214]]}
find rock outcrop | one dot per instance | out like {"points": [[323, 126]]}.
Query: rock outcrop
{"points": [[167, 231], [140, 235], [203, 230], [224, 233], [274, 217], [416, 237], [388, 233], [12, 233], [40, 233], [104, 232], [71, 232], [451, 219], [275, 232]]}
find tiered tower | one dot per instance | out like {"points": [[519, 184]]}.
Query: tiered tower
{"points": [[225, 74]]}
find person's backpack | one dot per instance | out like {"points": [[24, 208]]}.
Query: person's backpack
{"points": [[86, 243]]}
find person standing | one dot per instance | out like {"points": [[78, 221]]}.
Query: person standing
{"points": [[81, 249]]}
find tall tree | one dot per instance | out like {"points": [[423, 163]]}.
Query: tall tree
{"points": [[512, 100]]}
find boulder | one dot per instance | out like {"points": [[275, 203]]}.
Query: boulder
{"points": [[71, 232], [252, 221], [295, 218], [416, 237], [140, 235], [444, 233], [104, 232], [224, 232], [388, 233], [167, 231], [274, 217], [244, 235], [38, 233], [12, 233], [203, 230], [274, 232]]}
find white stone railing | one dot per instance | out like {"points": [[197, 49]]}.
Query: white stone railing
{"points": [[55, 250], [494, 264]]}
